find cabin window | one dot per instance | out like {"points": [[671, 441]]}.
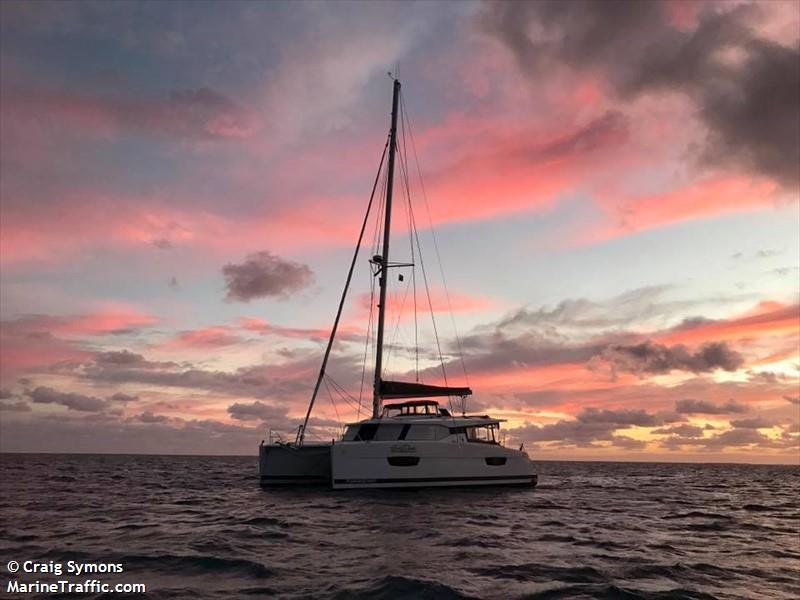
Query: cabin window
{"points": [[374, 431], [486, 434], [495, 461], [388, 433], [427, 432], [366, 432]]}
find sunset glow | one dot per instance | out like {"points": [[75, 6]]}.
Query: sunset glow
{"points": [[619, 238]]}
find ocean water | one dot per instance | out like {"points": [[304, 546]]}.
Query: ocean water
{"points": [[201, 527]]}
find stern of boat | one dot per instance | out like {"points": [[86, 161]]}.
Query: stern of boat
{"points": [[286, 464]]}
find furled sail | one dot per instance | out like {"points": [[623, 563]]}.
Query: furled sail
{"points": [[403, 389]]}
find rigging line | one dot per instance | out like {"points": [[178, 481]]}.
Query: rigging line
{"points": [[336, 410], [397, 320], [422, 266], [430, 306], [339, 390], [366, 345], [430, 302], [435, 244], [346, 396], [404, 168], [301, 432]]}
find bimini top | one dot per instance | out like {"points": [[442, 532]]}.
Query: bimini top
{"points": [[415, 408]]}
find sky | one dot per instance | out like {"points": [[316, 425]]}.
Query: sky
{"points": [[606, 196]]}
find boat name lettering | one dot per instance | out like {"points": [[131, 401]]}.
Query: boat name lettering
{"points": [[401, 448]]}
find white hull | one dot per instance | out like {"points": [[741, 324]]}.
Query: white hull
{"points": [[418, 464]]}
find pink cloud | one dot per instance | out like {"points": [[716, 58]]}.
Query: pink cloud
{"points": [[203, 339], [698, 200], [197, 113]]}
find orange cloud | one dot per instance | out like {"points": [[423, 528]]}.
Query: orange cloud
{"points": [[767, 319]]}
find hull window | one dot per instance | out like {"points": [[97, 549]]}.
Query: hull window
{"points": [[495, 461], [403, 461]]}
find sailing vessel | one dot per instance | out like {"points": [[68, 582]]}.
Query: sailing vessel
{"points": [[412, 441]]}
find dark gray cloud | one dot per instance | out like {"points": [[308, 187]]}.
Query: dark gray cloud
{"points": [[120, 397], [119, 357], [150, 433], [73, 401], [287, 380], [200, 113], [5, 394], [264, 275], [704, 407], [149, 417], [592, 136], [684, 430], [751, 423], [748, 101], [256, 411], [15, 406], [593, 425], [652, 358], [623, 418], [732, 438], [162, 244]]}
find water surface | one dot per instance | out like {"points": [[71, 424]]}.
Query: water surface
{"points": [[201, 527]]}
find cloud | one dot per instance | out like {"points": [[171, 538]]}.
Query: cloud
{"points": [[767, 318], [649, 357], [792, 399], [200, 113], [15, 406], [264, 275], [745, 87], [206, 338], [622, 418], [120, 397], [104, 322], [73, 401], [287, 380], [119, 357], [684, 430], [256, 411], [149, 417], [703, 407], [344, 332], [752, 423], [730, 438], [593, 425]]}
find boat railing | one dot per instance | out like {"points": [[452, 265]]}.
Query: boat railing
{"points": [[276, 436]]}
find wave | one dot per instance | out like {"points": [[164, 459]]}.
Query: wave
{"points": [[401, 588], [546, 573], [196, 564], [613, 592]]}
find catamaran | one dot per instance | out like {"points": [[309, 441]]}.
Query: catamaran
{"points": [[412, 441]]}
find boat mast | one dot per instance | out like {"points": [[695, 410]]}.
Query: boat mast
{"points": [[384, 266]]}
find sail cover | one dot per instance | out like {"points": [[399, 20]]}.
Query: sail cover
{"points": [[403, 389]]}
